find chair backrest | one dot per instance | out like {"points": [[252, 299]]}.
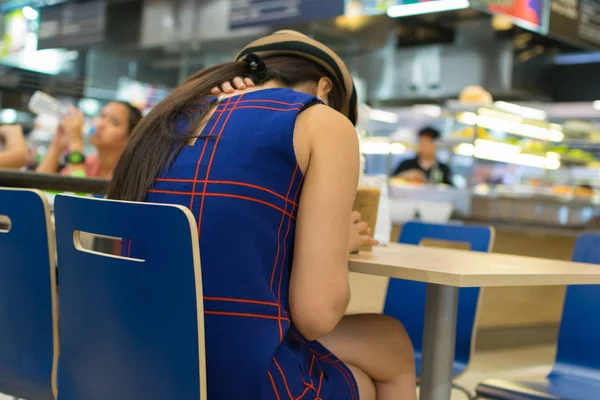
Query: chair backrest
{"points": [[579, 341], [131, 328], [28, 314], [405, 300]]}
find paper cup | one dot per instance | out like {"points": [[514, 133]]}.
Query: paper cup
{"points": [[367, 204]]}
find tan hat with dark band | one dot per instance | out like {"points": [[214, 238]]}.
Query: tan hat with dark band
{"points": [[297, 44]]}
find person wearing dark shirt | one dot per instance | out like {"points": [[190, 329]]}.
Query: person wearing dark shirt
{"points": [[425, 167]]}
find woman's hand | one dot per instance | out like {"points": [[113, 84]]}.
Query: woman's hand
{"points": [[360, 233], [238, 84], [72, 129]]}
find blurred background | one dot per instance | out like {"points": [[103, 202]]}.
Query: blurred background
{"points": [[522, 141]]}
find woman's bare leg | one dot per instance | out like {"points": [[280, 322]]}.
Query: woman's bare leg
{"points": [[366, 387], [378, 346]]}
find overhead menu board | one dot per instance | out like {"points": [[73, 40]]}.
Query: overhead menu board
{"points": [[576, 22], [245, 13], [376, 7], [528, 14], [72, 24]]}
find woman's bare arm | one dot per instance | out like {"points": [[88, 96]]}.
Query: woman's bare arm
{"points": [[319, 287]]}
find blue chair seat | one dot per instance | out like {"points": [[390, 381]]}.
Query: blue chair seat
{"points": [[553, 388], [576, 371]]}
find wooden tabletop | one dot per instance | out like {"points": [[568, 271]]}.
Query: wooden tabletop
{"points": [[462, 268]]}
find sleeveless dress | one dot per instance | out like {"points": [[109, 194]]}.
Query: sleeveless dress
{"points": [[242, 182]]}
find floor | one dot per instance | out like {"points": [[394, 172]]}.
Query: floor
{"points": [[519, 363]]}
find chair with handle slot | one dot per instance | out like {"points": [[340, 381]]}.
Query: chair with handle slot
{"points": [[405, 300], [576, 371], [132, 325], [28, 314]]}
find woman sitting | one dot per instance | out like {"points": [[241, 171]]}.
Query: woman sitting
{"points": [[271, 175]]}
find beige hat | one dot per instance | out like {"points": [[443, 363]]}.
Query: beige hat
{"points": [[294, 43]]}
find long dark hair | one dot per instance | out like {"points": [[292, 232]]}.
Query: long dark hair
{"points": [[155, 142]]}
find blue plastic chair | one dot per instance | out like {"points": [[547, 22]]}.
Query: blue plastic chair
{"points": [[405, 300], [576, 371], [131, 328], [28, 318]]}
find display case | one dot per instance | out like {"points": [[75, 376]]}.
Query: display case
{"points": [[514, 164]]}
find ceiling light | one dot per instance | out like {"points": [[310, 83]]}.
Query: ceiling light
{"points": [[381, 147], [467, 118], [465, 149], [507, 153], [526, 112], [596, 105], [8, 116], [429, 110], [30, 14], [553, 133], [428, 7], [384, 116]]}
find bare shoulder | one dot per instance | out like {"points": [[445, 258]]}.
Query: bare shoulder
{"points": [[322, 129], [321, 118]]}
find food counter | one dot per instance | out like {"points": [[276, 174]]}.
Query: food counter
{"points": [[529, 222], [519, 206]]}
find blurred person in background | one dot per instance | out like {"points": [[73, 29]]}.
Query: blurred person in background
{"points": [[13, 155], [111, 130], [425, 167]]}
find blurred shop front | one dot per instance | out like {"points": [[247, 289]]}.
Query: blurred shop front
{"points": [[527, 156]]}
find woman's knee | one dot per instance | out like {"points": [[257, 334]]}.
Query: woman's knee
{"points": [[389, 330], [397, 341], [386, 339]]}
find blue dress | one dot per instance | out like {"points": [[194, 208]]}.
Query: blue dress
{"points": [[243, 184]]}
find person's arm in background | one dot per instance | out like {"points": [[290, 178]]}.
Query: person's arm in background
{"points": [[14, 155], [51, 161], [68, 135], [319, 282]]}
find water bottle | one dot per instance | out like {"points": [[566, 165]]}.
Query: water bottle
{"points": [[44, 104], [383, 229]]}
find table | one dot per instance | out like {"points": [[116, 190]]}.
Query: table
{"points": [[445, 271]]}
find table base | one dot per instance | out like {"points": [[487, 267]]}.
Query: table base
{"points": [[439, 340]]}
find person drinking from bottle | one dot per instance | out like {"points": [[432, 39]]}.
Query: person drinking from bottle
{"points": [[111, 131]]}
